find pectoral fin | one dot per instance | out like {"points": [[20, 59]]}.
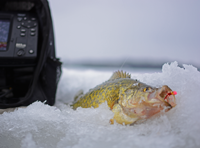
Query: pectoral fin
{"points": [[120, 116]]}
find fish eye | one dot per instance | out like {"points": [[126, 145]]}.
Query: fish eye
{"points": [[147, 89]]}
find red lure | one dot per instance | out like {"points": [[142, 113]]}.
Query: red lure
{"points": [[170, 93]]}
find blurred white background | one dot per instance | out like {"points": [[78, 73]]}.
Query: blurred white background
{"points": [[144, 30]]}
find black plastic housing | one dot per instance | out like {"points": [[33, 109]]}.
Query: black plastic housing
{"points": [[32, 76]]}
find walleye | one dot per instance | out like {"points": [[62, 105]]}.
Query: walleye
{"points": [[129, 100]]}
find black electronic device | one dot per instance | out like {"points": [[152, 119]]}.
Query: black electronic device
{"points": [[18, 39], [29, 68]]}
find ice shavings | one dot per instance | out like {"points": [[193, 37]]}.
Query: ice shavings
{"points": [[28, 142], [43, 126]]}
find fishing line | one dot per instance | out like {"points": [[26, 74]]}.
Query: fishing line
{"points": [[124, 63]]}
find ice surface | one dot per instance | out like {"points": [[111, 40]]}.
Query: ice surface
{"points": [[43, 126]]}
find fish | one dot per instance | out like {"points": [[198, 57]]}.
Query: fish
{"points": [[129, 99]]}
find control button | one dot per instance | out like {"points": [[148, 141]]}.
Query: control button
{"points": [[20, 52], [32, 33], [19, 19], [32, 29], [29, 21], [31, 51], [25, 18], [21, 14], [33, 18], [29, 24], [22, 34], [18, 27], [23, 30]]}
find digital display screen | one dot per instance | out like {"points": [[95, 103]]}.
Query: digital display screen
{"points": [[4, 32]]}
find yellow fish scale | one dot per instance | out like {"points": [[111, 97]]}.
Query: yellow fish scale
{"points": [[108, 91]]}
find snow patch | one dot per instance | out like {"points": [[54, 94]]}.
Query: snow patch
{"points": [[43, 126]]}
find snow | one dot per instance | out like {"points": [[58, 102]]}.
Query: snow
{"points": [[59, 126]]}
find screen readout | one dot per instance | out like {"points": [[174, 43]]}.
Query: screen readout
{"points": [[4, 32]]}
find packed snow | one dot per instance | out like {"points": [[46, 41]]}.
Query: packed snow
{"points": [[59, 126]]}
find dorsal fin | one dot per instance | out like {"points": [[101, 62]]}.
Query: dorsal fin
{"points": [[120, 74]]}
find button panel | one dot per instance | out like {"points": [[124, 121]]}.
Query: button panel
{"points": [[27, 24], [28, 31]]}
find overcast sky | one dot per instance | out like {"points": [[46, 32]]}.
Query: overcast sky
{"points": [[166, 30]]}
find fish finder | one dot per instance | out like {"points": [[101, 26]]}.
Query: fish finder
{"points": [[18, 52], [29, 68], [18, 39]]}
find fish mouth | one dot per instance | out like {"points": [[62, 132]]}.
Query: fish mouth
{"points": [[166, 94], [163, 95], [170, 98]]}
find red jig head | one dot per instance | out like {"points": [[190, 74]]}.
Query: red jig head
{"points": [[170, 93]]}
